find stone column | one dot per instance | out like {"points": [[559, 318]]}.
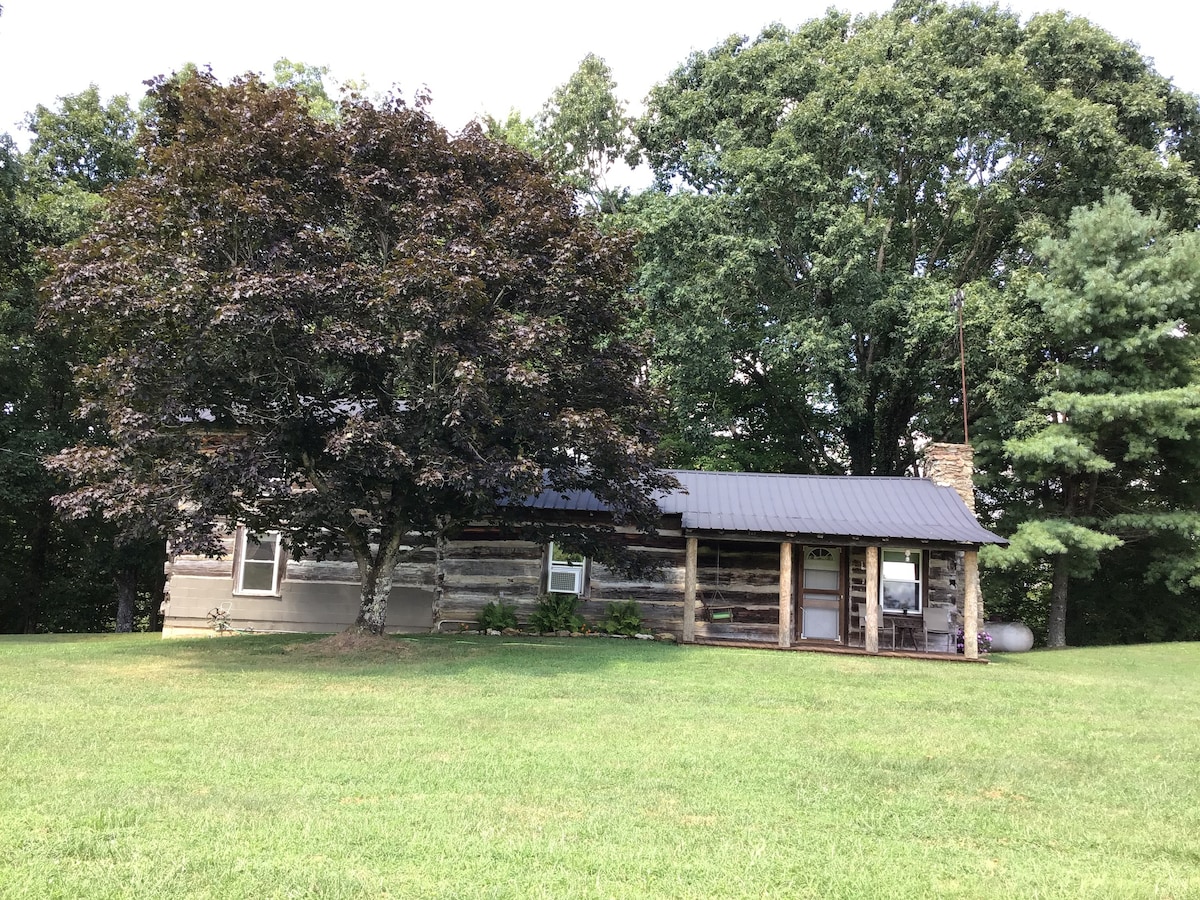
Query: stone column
{"points": [[953, 465]]}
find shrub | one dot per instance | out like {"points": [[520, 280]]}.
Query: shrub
{"points": [[622, 617], [984, 641], [498, 615], [556, 612]]}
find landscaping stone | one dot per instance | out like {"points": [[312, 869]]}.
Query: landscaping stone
{"points": [[644, 637], [494, 632], [665, 636]]}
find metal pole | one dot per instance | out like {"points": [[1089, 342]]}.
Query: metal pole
{"points": [[959, 298]]}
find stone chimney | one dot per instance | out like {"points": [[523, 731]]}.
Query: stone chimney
{"points": [[952, 465]]}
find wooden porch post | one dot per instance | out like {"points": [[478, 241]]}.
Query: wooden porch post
{"points": [[971, 605], [689, 591], [785, 594], [871, 625]]}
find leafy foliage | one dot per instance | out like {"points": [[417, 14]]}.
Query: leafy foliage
{"points": [[57, 575], [1104, 455], [497, 615], [84, 141], [622, 617], [823, 192], [556, 612], [583, 130], [390, 331]]}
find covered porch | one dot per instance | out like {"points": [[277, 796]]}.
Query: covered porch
{"points": [[816, 592]]}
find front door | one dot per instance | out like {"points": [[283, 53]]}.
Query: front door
{"points": [[821, 594]]}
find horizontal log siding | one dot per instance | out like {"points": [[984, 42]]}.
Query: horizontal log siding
{"points": [[659, 596], [743, 576], [315, 596], [488, 567], [482, 567], [946, 579], [303, 607], [858, 576]]}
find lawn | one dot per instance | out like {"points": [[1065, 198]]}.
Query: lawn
{"points": [[497, 767]]}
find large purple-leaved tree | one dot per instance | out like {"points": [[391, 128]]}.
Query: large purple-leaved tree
{"points": [[362, 333]]}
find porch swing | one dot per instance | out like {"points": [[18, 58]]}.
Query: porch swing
{"points": [[717, 611]]}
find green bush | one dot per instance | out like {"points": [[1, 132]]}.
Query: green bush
{"points": [[556, 612], [622, 617], [497, 615]]}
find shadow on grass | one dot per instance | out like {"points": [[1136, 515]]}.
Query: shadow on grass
{"points": [[426, 654]]}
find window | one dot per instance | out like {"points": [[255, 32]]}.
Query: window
{"points": [[567, 572], [258, 563], [900, 581]]}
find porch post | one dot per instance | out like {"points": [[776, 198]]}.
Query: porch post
{"points": [[689, 591], [785, 594], [871, 625], [971, 605]]}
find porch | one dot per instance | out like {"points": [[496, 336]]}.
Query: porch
{"points": [[877, 597]]}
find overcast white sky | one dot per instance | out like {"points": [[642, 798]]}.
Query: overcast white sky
{"points": [[474, 56]]}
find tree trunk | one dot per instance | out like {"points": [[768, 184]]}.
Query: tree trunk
{"points": [[127, 580], [1056, 635], [372, 608], [32, 604]]}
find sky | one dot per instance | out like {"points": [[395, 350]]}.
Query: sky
{"points": [[475, 57]]}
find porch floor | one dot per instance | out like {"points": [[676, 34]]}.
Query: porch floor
{"points": [[840, 649]]}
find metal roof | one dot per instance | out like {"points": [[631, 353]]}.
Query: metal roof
{"points": [[815, 505]]}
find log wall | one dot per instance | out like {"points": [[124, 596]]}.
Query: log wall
{"points": [[483, 565], [314, 596]]}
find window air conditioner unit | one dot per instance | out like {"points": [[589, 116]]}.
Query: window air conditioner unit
{"points": [[566, 579]]}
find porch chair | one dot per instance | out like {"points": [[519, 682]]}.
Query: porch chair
{"points": [[939, 620], [858, 625]]}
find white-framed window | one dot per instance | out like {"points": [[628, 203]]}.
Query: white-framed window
{"points": [[900, 585], [566, 572], [258, 561]]}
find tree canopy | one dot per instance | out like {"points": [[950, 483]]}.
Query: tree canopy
{"points": [[56, 575], [1109, 449], [393, 331], [824, 191]]}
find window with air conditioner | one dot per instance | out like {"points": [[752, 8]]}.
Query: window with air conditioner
{"points": [[567, 572]]}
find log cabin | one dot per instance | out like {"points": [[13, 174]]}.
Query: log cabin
{"points": [[866, 564]]}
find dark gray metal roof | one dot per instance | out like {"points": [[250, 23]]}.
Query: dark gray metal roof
{"points": [[833, 506]]}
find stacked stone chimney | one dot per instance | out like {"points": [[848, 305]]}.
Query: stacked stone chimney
{"points": [[952, 465]]}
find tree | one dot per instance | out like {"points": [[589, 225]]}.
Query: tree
{"points": [[583, 131], [84, 141], [393, 331], [58, 575], [823, 192], [309, 83], [513, 129], [1109, 451]]}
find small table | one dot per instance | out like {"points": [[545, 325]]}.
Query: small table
{"points": [[905, 626]]}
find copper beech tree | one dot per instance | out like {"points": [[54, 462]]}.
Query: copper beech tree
{"points": [[362, 333]]}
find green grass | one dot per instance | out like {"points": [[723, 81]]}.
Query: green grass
{"points": [[484, 767]]}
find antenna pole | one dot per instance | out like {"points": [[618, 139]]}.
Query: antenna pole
{"points": [[959, 298]]}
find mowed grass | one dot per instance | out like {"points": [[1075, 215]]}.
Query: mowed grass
{"points": [[489, 767]]}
